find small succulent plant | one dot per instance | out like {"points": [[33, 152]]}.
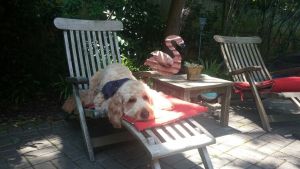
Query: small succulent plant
{"points": [[189, 64]]}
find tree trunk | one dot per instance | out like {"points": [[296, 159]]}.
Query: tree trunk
{"points": [[174, 17]]}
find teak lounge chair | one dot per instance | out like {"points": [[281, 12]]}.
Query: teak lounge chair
{"points": [[92, 45], [245, 64]]}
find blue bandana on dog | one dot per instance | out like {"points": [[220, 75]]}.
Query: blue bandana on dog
{"points": [[110, 88]]}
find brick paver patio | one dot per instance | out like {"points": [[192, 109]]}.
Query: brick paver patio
{"points": [[243, 144]]}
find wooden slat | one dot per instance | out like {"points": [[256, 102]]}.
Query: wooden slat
{"points": [[296, 101], [150, 133], [71, 70], [81, 61], [264, 68], [117, 48], [228, 39], [102, 50], [74, 56], [173, 132], [97, 56], [252, 62], [91, 52], [111, 44], [85, 53], [181, 130], [93, 25], [107, 52], [240, 54], [202, 129], [174, 147], [191, 128], [163, 134]]}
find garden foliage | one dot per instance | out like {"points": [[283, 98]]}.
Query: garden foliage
{"points": [[33, 62]]}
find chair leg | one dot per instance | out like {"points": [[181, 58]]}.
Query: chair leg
{"points": [[83, 124], [155, 164], [261, 110], [205, 158]]}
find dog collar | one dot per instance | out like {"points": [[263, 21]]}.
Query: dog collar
{"points": [[110, 88]]}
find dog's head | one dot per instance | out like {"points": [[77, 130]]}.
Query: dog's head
{"points": [[133, 99]]}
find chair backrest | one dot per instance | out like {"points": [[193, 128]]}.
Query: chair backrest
{"points": [[241, 52], [90, 44]]}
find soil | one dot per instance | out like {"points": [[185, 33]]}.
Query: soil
{"points": [[35, 110]]}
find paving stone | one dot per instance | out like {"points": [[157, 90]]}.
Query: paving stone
{"points": [[64, 163], [41, 152], [3, 132], [173, 159], [43, 126], [15, 130], [269, 148], [9, 153], [245, 121], [286, 157], [40, 144], [235, 124], [60, 123], [139, 162], [213, 151], [101, 156], [223, 147], [163, 165], [46, 165], [8, 143], [75, 154], [270, 162], [276, 139], [219, 162], [247, 154], [29, 128], [288, 165], [3, 164], [86, 164], [236, 164], [246, 128], [18, 162], [254, 167], [26, 148], [292, 149], [44, 158], [255, 143], [185, 163]]}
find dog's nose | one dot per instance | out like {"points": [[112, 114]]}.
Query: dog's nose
{"points": [[145, 114]]}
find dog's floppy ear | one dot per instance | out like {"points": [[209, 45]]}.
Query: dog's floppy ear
{"points": [[115, 110]]}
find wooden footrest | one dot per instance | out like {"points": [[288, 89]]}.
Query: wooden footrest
{"points": [[173, 138]]}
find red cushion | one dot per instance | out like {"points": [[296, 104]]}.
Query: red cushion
{"points": [[286, 84], [181, 110], [261, 85]]}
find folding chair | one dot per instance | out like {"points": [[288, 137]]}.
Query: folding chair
{"points": [[248, 70], [92, 45]]}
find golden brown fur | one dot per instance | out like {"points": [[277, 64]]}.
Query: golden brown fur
{"points": [[133, 98]]}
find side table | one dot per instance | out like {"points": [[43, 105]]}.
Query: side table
{"points": [[178, 86]]}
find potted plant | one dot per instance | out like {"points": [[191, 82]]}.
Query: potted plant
{"points": [[193, 70]]}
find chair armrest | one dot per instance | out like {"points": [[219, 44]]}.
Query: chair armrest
{"points": [[245, 70], [290, 71], [78, 80]]}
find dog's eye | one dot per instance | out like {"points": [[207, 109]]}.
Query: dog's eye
{"points": [[132, 100], [145, 97]]}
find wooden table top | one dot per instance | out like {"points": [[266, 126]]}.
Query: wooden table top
{"points": [[205, 81]]}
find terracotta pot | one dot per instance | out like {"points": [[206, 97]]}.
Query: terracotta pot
{"points": [[193, 73]]}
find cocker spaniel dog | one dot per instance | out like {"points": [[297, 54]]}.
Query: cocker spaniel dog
{"points": [[116, 91]]}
